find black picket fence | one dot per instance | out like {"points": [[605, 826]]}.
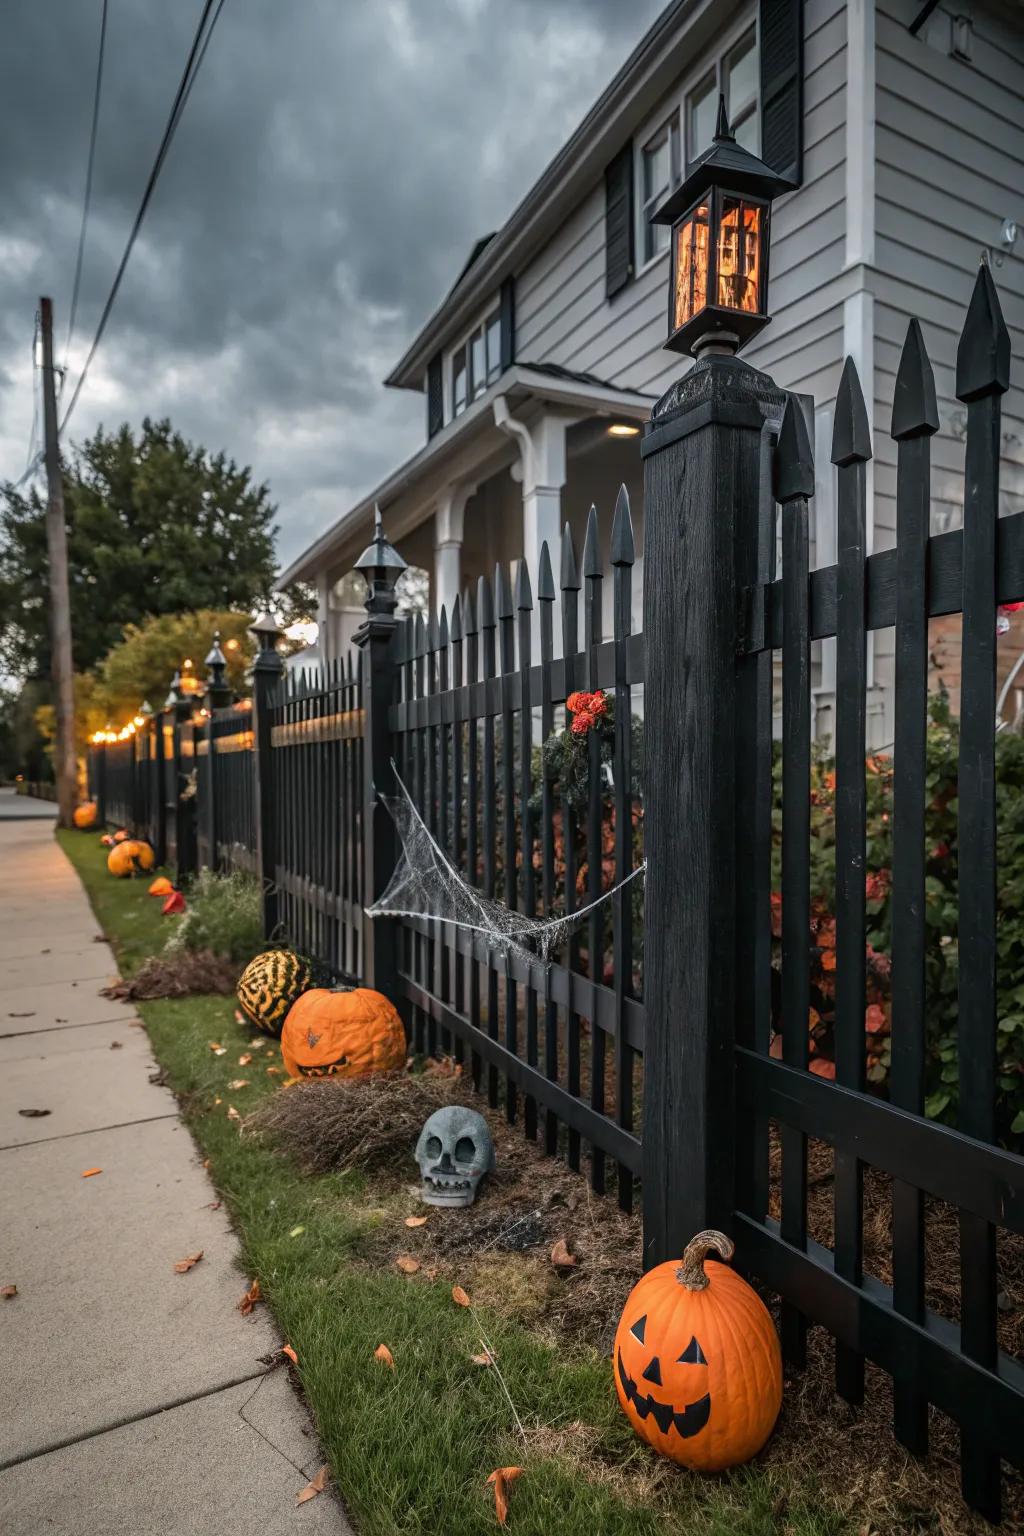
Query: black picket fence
{"points": [[659, 1039]]}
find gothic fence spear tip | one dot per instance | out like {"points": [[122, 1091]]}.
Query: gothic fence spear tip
{"points": [[794, 462], [983, 355], [545, 576], [484, 603], [442, 629], [468, 614], [502, 592], [623, 550], [915, 412], [456, 624], [524, 592], [592, 566], [851, 435], [570, 576]]}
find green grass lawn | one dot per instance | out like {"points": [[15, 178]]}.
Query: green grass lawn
{"points": [[410, 1449]]}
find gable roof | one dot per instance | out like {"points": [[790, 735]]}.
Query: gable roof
{"points": [[682, 30]]}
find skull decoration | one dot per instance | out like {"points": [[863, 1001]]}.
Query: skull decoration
{"points": [[454, 1152]]}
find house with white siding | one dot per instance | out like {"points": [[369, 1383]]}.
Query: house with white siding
{"points": [[900, 127]]}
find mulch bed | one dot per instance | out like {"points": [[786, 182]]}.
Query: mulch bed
{"points": [[501, 1248]]}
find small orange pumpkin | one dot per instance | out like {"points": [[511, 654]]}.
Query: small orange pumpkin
{"points": [[130, 858], [342, 1034], [121, 835], [107, 840], [161, 886], [698, 1369], [85, 815]]}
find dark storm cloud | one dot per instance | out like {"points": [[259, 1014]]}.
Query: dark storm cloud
{"points": [[336, 160]]}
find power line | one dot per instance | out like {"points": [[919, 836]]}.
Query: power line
{"points": [[88, 191], [196, 54]]}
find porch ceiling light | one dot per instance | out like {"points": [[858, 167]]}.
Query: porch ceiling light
{"points": [[719, 216], [623, 429]]}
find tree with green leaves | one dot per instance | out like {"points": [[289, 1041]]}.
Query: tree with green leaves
{"points": [[156, 525]]}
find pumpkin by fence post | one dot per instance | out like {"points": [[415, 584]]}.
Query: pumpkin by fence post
{"points": [[85, 815], [270, 985], [697, 1362]]}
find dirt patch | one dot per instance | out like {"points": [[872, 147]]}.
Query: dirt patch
{"points": [[189, 973], [500, 1249]]}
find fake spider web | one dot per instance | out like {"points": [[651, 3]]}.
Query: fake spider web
{"points": [[426, 884]]}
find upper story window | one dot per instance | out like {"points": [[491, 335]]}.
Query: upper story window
{"points": [[476, 363], [689, 127]]}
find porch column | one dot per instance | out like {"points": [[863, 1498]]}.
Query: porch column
{"points": [[323, 615], [542, 474], [449, 518]]}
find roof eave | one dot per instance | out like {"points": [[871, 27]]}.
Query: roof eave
{"points": [[602, 125]]}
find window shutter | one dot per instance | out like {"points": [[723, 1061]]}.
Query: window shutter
{"points": [[507, 312], [782, 87], [435, 396], [618, 222]]}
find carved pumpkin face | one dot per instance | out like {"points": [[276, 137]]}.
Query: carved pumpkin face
{"points": [[698, 1370], [270, 985], [85, 816], [342, 1034]]}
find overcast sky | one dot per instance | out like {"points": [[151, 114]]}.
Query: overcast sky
{"points": [[335, 162]]}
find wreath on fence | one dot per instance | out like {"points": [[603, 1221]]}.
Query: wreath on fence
{"points": [[565, 757]]}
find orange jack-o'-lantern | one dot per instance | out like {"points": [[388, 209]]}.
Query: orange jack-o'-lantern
{"points": [[342, 1034], [697, 1363], [122, 835], [85, 815], [161, 886]]}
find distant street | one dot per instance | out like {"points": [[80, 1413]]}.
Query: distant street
{"points": [[15, 807]]}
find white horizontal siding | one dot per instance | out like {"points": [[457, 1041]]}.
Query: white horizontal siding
{"points": [[950, 153], [563, 316]]}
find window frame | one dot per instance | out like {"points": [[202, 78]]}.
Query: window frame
{"points": [[676, 108], [485, 331]]}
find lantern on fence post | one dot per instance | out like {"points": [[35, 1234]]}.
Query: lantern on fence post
{"points": [[218, 690], [381, 565], [719, 217]]}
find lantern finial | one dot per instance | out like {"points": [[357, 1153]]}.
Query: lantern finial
{"points": [[723, 132], [381, 565]]}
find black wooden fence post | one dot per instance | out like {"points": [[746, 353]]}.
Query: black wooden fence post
{"points": [[184, 780], [266, 675], [382, 565], [702, 455]]}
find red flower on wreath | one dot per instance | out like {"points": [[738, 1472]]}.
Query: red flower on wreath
{"points": [[586, 709]]}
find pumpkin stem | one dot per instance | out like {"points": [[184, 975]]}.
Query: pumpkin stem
{"points": [[691, 1271]]}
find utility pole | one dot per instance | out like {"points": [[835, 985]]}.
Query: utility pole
{"points": [[65, 764]]}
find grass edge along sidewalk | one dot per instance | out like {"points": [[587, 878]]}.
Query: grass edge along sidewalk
{"points": [[411, 1449]]}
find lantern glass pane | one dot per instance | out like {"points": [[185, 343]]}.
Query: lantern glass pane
{"points": [[739, 256], [691, 265]]}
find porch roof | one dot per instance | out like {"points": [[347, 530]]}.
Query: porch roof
{"points": [[470, 447]]}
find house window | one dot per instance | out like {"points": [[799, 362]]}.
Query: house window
{"points": [[689, 129], [661, 171], [735, 76], [476, 363]]}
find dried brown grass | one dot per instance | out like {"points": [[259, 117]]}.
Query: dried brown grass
{"points": [[185, 973]]}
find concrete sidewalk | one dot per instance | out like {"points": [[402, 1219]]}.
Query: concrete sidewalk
{"points": [[15, 807], [132, 1399]]}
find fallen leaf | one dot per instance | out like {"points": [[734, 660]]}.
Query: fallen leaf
{"points": [[7, 1291], [416, 1221], [251, 1297], [290, 1082], [502, 1478], [317, 1485], [33, 1114], [286, 1349], [485, 1359], [233, 1113], [561, 1257], [212, 1205], [243, 1061], [238, 1082], [216, 1047], [184, 1265], [239, 1016], [296, 1231], [206, 1162], [408, 1265], [460, 1297], [218, 1101], [115, 1045], [90, 1173], [384, 1355], [274, 1071], [258, 1044]]}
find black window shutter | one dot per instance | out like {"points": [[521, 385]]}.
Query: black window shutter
{"points": [[782, 87], [435, 396], [618, 222], [507, 311]]}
